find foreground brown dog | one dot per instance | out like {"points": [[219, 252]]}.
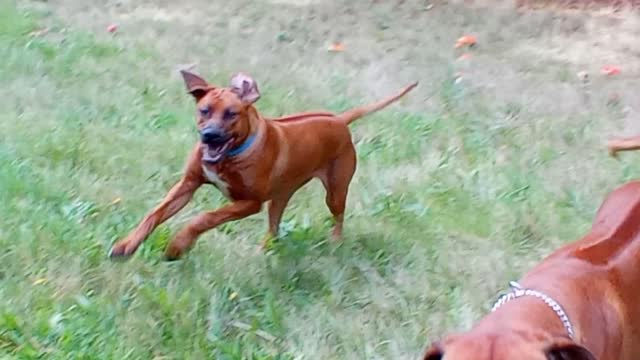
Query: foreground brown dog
{"points": [[252, 160], [594, 282]]}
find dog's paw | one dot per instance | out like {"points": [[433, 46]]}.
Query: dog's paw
{"points": [[121, 251], [172, 253], [267, 243], [613, 149], [170, 258], [336, 234]]}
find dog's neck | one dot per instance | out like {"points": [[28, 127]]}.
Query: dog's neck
{"points": [[249, 138], [523, 314], [255, 122], [532, 316]]}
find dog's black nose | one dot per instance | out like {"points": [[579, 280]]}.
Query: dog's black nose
{"points": [[211, 135]]}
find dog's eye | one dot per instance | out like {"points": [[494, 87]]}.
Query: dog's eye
{"points": [[204, 111], [230, 114]]}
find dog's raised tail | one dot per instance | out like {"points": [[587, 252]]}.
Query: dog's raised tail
{"points": [[350, 115]]}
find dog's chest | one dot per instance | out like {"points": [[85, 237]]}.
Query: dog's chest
{"points": [[215, 179]]}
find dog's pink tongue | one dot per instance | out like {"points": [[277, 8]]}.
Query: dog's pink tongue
{"points": [[214, 154], [210, 154]]}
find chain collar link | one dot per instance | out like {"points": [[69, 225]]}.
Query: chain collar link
{"points": [[517, 292]]}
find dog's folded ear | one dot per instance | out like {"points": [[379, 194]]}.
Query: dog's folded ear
{"points": [[245, 87], [566, 349], [196, 86]]}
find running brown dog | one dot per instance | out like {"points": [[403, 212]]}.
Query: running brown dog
{"points": [[580, 303], [252, 160]]}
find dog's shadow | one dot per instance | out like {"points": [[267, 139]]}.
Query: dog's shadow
{"points": [[309, 261]]}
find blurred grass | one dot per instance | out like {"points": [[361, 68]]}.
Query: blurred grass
{"points": [[447, 205]]}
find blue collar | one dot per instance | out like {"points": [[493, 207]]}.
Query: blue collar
{"points": [[244, 146]]}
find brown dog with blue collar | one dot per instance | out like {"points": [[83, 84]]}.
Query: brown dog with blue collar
{"points": [[252, 160], [580, 303]]}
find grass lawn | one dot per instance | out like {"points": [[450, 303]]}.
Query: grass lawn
{"points": [[460, 187]]}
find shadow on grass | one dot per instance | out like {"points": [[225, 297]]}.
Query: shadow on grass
{"points": [[307, 262]]}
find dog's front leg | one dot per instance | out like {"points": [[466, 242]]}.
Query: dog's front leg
{"points": [[176, 199], [179, 196], [186, 238]]}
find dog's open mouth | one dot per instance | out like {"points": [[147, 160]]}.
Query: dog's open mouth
{"points": [[212, 153]]}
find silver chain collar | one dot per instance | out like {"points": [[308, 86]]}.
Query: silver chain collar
{"points": [[518, 292]]}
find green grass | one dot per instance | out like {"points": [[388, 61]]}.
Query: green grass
{"points": [[448, 204]]}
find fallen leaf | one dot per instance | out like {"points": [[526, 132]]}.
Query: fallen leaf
{"points": [[610, 70], [467, 40], [336, 47]]}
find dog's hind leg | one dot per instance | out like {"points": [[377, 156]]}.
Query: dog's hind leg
{"points": [[336, 181]]}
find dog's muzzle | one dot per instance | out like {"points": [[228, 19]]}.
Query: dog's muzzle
{"points": [[212, 136]]}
